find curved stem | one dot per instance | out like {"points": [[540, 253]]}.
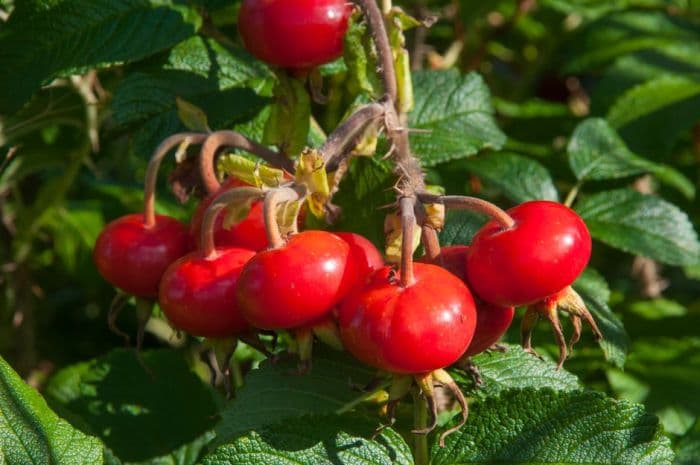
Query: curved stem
{"points": [[335, 147], [234, 139], [272, 200], [149, 190], [228, 197], [464, 202], [381, 41], [408, 222], [431, 244]]}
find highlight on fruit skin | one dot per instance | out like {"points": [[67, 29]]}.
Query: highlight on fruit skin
{"points": [[294, 34]]}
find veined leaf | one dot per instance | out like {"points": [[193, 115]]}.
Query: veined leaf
{"points": [[519, 178], [452, 117], [534, 427], [596, 152], [595, 293], [32, 433], [641, 224], [272, 394], [76, 35], [130, 408], [317, 440], [651, 116]]}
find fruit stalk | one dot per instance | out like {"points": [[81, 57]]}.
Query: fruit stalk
{"points": [[407, 167], [273, 198], [335, 148], [236, 140], [149, 190], [239, 194], [470, 203]]}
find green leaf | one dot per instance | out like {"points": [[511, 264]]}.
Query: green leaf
{"points": [[688, 452], [595, 292], [460, 227], [651, 116], [519, 178], [453, 117], [290, 116], [361, 59], [609, 37], [315, 440], [273, 393], [514, 368], [641, 224], [80, 34], [591, 9], [32, 433], [131, 404], [667, 371], [658, 309], [365, 189], [596, 152], [536, 427], [197, 70]]}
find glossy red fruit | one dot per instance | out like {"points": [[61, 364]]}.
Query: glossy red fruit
{"points": [[133, 258], [249, 233], [454, 258], [417, 329], [545, 251], [295, 284], [294, 33], [198, 293], [492, 322], [364, 252]]}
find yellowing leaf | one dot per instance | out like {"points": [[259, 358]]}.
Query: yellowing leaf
{"points": [[311, 172], [247, 170]]}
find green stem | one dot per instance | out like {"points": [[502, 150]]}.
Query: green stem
{"points": [[420, 421], [571, 196], [362, 398]]}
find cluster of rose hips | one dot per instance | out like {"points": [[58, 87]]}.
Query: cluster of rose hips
{"points": [[221, 281]]}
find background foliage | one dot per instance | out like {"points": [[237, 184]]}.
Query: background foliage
{"points": [[591, 102]]}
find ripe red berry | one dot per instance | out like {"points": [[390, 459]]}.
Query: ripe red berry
{"points": [[294, 33], [133, 257], [417, 329], [453, 258], [249, 233], [293, 285], [365, 253], [198, 293], [544, 252], [492, 321]]}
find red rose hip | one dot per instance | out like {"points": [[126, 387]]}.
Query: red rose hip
{"points": [[417, 329], [294, 34], [297, 283], [198, 293], [542, 253], [133, 257]]}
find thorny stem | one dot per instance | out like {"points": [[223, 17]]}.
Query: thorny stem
{"points": [[470, 203], [273, 198], [234, 139], [149, 191], [381, 42], [407, 166], [237, 194], [408, 222], [334, 149]]}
